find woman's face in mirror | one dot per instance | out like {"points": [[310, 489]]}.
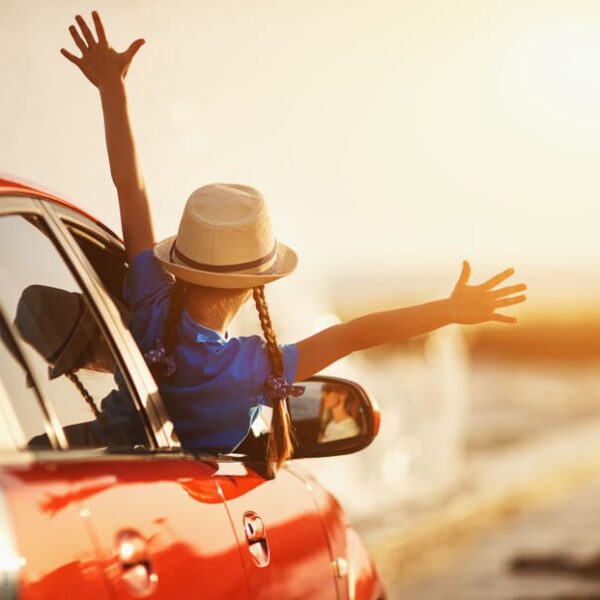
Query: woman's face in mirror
{"points": [[332, 397]]}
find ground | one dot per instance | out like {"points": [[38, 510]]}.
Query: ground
{"points": [[550, 553]]}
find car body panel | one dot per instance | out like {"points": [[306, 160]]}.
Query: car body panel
{"points": [[360, 580], [57, 556], [176, 507], [299, 561]]}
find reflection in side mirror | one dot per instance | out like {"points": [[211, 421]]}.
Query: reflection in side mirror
{"points": [[332, 416]]}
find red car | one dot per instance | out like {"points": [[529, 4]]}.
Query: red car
{"points": [[97, 498]]}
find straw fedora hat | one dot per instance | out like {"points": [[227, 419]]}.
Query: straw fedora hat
{"points": [[225, 240]]}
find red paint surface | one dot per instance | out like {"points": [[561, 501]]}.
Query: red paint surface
{"points": [[300, 560], [189, 539], [67, 516], [9, 186], [60, 560], [362, 581]]}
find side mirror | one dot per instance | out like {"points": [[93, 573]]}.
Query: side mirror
{"points": [[333, 416]]}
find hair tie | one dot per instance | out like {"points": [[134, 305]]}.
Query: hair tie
{"points": [[158, 357], [278, 389]]}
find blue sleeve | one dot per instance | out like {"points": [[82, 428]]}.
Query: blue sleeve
{"points": [[147, 290], [145, 280], [249, 362]]}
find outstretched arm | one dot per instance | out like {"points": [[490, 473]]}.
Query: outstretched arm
{"points": [[106, 69], [466, 305]]}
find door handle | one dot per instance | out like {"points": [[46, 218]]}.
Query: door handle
{"points": [[256, 536], [136, 569], [254, 527]]}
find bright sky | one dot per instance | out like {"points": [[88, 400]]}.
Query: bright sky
{"points": [[413, 132]]}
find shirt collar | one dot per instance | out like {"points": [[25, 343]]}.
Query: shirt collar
{"points": [[211, 334]]}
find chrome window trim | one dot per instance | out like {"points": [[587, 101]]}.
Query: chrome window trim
{"points": [[10, 560], [13, 204], [76, 218], [20, 457], [134, 364]]}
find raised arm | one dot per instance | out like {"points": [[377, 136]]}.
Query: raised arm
{"points": [[466, 305], [106, 69]]}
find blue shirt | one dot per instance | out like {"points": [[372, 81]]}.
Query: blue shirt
{"points": [[219, 383]]}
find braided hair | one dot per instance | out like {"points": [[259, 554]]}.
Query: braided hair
{"points": [[85, 394], [280, 444], [88, 398]]}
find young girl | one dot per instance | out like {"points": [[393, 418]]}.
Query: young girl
{"points": [[224, 253]]}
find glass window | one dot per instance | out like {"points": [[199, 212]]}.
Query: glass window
{"points": [[16, 383], [63, 341]]}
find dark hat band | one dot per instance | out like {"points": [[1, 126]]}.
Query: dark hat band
{"points": [[220, 268]]}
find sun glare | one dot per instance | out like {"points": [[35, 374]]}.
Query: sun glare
{"points": [[562, 61]]}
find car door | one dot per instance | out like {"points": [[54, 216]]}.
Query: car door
{"points": [[161, 528], [151, 536], [282, 539], [282, 509]]}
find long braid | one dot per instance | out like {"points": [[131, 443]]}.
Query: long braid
{"points": [[280, 445], [86, 395]]}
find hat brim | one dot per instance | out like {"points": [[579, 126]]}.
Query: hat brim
{"points": [[285, 263]]}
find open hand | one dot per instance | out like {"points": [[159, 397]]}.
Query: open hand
{"points": [[478, 303], [100, 63]]}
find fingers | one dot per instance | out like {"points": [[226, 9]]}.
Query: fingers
{"points": [[99, 29], [74, 59], [507, 291], [494, 281], [133, 48], [77, 38], [87, 34], [503, 318], [465, 273], [510, 301]]}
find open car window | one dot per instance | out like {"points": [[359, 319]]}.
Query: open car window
{"points": [[63, 341], [106, 258]]}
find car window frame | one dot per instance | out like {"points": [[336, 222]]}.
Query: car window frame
{"points": [[65, 216], [134, 367], [28, 204]]}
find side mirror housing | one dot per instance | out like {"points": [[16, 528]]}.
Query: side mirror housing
{"points": [[333, 416]]}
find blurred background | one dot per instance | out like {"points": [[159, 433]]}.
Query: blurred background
{"points": [[392, 140]]}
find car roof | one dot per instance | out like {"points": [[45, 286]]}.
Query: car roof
{"points": [[8, 185]]}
